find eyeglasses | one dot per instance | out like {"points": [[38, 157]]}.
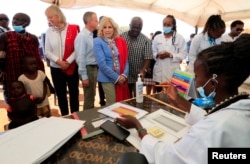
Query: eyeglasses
{"points": [[2, 19], [239, 29]]}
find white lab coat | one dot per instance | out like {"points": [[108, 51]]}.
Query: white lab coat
{"points": [[164, 68], [228, 127], [228, 38], [199, 43]]}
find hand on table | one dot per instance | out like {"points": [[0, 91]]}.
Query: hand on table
{"points": [[129, 122]]}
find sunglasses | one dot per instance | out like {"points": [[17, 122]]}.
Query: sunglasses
{"points": [[2, 19], [239, 29]]}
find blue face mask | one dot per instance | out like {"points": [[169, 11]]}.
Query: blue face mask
{"points": [[18, 28], [167, 30], [205, 102]]}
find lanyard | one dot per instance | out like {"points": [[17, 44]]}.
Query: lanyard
{"points": [[211, 41]]}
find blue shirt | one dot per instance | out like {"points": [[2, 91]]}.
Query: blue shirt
{"points": [[84, 52]]}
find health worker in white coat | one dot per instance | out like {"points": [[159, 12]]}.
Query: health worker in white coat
{"points": [[226, 125], [210, 36], [169, 49]]}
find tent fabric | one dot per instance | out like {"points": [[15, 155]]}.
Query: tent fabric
{"points": [[193, 12]]}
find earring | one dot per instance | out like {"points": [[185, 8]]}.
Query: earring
{"points": [[214, 76]]}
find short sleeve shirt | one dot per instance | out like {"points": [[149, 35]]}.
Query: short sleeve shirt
{"points": [[139, 49]]}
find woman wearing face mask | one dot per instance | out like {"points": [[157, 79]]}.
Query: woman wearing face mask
{"points": [[111, 54], [16, 44], [225, 125], [169, 49], [206, 101]]}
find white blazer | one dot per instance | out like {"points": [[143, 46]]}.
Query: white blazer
{"points": [[199, 43], [164, 68]]}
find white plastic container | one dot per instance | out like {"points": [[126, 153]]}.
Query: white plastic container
{"points": [[139, 89]]}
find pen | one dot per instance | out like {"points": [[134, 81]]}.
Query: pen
{"points": [[168, 85], [162, 85]]}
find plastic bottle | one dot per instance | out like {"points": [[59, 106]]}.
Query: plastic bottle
{"points": [[139, 89]]}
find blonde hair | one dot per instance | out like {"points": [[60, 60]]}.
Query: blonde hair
{"points": [[57, 12], [104, 20]]}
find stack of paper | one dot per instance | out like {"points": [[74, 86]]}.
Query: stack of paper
{"points": [[36, 141], [93, 121]]}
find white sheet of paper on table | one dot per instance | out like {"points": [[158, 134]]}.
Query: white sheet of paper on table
{"points": [[174, 127], [36, 141]]}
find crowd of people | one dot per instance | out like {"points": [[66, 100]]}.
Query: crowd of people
{"points": [[114, 60]]}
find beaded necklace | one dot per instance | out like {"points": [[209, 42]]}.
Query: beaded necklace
{"points": [[228, 101]]}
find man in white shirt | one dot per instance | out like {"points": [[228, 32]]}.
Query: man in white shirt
{"points": [[237, 27]]}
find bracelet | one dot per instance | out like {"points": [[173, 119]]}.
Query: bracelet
{"points": [[139, 130]]}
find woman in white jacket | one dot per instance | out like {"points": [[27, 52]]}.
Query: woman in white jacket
{"points": [[226, 125], [210, 36], [169, 49]]}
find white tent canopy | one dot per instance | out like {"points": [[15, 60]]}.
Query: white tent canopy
{"points": [[193, 12]]}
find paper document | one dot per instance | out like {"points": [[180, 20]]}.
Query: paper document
{"points": [[36, 141], [118, 108], [174, 127]]}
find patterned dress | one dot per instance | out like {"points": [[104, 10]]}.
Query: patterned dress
{"points": [[19, 45]]}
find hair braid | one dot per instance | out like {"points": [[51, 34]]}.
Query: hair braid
{"points": [[214, 22], [230, 60], [174, 28]]}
